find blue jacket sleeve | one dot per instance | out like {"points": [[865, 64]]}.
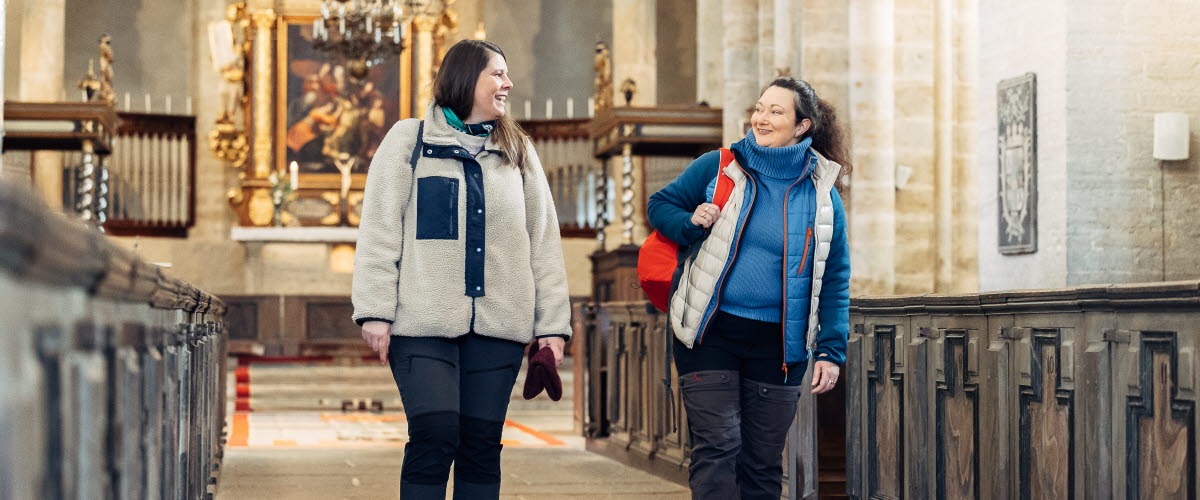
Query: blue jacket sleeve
{"points": [[670, 210], [834, 313]]}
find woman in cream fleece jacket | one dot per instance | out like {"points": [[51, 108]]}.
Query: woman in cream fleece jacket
{"points": [[458, 266]]}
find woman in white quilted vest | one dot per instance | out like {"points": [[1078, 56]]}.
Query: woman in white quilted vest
{"points": [[458, 267], [762, 289]]}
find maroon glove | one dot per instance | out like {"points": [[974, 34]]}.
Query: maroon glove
{"points": [[542, 374]]}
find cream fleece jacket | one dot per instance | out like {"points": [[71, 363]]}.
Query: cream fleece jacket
{"points": [[459, 244]]}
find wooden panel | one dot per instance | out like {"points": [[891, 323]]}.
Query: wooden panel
{"points": [[957, 423], [919, 411], [254, 317], [885, 414], [1161, 451], [243, 320], [856, 404], [330, 319], [1047, 444], [996, 403]]}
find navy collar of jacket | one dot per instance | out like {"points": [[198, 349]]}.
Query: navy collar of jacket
{"points": [[441, 140]]}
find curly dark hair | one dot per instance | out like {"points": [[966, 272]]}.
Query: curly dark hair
{"points": [[827, 134]]}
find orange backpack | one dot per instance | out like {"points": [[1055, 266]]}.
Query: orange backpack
{"points": [[658, 256]]}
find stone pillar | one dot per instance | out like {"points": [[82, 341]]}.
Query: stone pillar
{"points": [[872, 111], [766, 41], [741, 66], [264, 81], [943, 159], [424, 69], [787, 41], [966, 212], [43, 28], [633, 50], [710, 60], [214, 177], [3, 48]]}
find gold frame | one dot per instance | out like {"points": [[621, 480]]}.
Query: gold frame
{"points": [[324, 181]]}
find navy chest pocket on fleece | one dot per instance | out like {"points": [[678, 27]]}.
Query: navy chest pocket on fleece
{"points": [[437, 208]]}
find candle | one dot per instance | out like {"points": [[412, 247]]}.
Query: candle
{"points": [[549, 108], [570, 107], [127, 101], [188, 106], [294, 170], [147, 103], [591, 107], [528, 109], [168, 104], [317, 28]]}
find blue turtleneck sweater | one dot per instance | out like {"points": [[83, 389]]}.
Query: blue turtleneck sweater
{"points": [[754, 287]]}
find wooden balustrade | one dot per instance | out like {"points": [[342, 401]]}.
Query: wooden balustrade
{"points": [[573, 172], [151, 175], [133, 173], [625, 401], [111, 373], [1086, 392]]}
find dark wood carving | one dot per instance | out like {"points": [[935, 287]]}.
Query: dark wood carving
{"points": [[1159, 427], [957, 423], [1047, 437], [885, 418]]}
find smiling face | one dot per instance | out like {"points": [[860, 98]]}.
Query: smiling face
{"points": [[774, 119], [491, 91]]}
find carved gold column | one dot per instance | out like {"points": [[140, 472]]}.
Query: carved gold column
{"points": [[264, 77], [424, 69]]}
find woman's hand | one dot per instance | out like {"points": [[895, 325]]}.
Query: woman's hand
{"points": [[556, 346], [825, 376], [705, 215], [378, 335]]}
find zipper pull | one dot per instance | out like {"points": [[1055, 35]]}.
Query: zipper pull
{"points": [[785, 373]]}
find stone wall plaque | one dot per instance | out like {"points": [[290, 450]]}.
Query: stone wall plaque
{"points": [[1017, 147]]}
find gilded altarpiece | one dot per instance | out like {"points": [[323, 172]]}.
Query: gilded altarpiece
{"points": [[319, 117]]}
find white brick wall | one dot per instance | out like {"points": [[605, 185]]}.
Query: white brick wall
{"points": [[1125, 63], [1015, 37], [1107, 211]]}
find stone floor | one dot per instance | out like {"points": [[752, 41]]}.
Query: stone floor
{"points": [[290, 440]]}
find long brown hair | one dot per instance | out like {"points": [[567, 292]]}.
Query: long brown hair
{"points": [[827, 134], [454, 88]]}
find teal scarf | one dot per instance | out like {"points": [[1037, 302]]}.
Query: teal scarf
{"points": [[477, 129]]}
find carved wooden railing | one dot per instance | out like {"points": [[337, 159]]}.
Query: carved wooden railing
{"points": [[1086, 392], [574, 174], [151, 175], [111, 373], [626, 411]]}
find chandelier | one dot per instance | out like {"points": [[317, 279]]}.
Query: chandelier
{"points": [[365, 32]]}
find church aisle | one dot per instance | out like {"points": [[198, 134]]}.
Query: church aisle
{"points": [[374, 473], [289, 439]]}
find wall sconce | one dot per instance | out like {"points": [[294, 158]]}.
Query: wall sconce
{"points": [[1171, 136], [229, 44]]}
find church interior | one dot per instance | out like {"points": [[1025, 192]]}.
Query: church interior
{"points": [[182, 183]]}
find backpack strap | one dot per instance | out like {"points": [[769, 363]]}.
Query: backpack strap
{"points": [[724, 182], [416, 153]]}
